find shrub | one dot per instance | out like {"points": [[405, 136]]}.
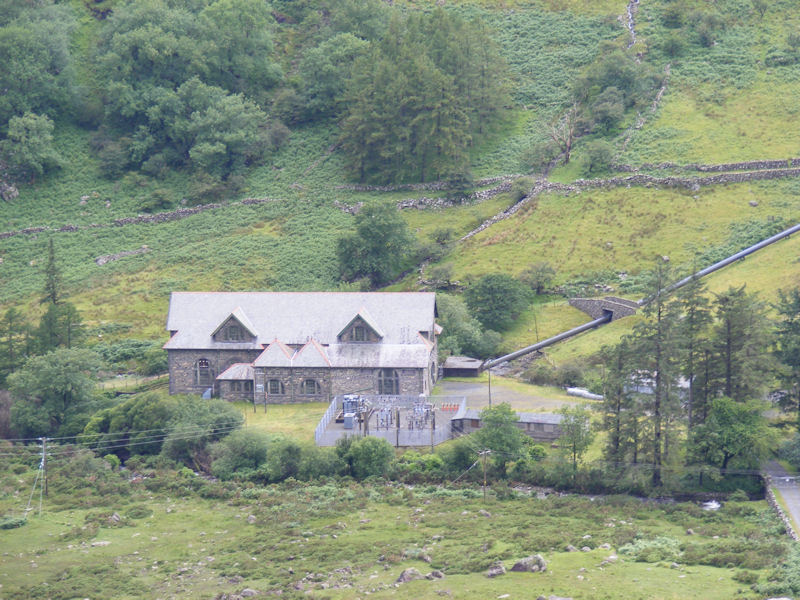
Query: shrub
{"points": [[653, 550], [241, 450], [370, 457], [12, 522], [496, 300], [597, 157], [113, 460], [520, 188]]}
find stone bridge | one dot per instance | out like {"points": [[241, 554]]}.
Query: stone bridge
{"points": [[599, 307]]}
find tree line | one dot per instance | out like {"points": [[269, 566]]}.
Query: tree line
{"points": [[687, 385], [201, 86]]}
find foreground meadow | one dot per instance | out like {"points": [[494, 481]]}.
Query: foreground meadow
{"points": [[145, 532]]}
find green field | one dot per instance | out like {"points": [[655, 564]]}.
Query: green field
{"points": [[168, 535]]}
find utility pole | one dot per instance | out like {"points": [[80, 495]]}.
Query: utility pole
{"points": [[490, 387], [433, 426], [44, 463], [483, 456]]}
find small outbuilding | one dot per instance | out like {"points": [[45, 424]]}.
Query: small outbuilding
{"points": [[542, 427], [461, 366]]}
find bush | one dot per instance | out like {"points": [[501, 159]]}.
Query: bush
{"points": [[653, 550], [113, 460], [520, 188], [370, 457], [597, 157], [496, 300], [239, 451], [12, 522]]}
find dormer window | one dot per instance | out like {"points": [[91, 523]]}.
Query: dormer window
{"points": [[359, 333], [234, 333]]}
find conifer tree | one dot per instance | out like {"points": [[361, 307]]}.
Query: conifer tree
{"points": [[741, 336], [787, 347]]}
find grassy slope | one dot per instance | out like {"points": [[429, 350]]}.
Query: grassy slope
{"points": [[289, 244], [173, 544]]}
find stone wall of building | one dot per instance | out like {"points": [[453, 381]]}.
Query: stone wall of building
{"points": [[292, 381], [227, 392], [182, 367]]}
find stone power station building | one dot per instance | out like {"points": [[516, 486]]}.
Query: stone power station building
{"points": [[282, 347]]}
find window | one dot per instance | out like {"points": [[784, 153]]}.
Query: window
{"points": [[310, 387], [275, 387], [241, 386], [359, 333], [202, 372], [388, 382], [233, 333]]}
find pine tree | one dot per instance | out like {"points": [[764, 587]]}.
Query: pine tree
{"points": [[787, 347], [52, 283], [741, 336], [655, 346], [13, 331], [693, 306]]}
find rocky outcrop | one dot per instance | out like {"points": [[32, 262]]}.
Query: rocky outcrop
{"points": [[530, 564]]}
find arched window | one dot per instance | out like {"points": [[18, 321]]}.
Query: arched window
{"points": [[202, 372], [275, 387], [388, 382], [310, 387]]}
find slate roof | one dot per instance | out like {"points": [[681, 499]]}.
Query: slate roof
{"points": [[236, 372], [524, 417], [312, 320]]}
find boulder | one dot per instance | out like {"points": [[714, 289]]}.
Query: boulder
{"points": [[435, 574], [530, 564], [410, 574], [496, 570], [571, 548], [484, 513], [248, 593]]}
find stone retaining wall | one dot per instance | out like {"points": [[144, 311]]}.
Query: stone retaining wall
{"points": [[435, 186], [753, 165], [773, 502]]}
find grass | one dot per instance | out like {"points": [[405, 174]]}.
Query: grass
{"points": [[295, 420], [757, 123], [183, 537]]}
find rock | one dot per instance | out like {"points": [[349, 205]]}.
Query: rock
{"points": [[248, 593], [587, 537], [753, 203], [605, 546], [674, 566], [690, 532], [586, 549], [496, 570], [251, 519], [571, 548], [115, 518], [96, 544], [484, 513], [410, 574], [435, 574], [609, 560], [530, 564]]}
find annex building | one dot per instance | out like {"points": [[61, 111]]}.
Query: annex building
{"points": [[283, 347]]}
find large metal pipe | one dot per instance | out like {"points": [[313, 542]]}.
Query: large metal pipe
{"points": [[549, 341], [723, 263], [667, 290]]}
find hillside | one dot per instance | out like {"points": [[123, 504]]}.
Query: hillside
{"points": [[724, 100]]}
